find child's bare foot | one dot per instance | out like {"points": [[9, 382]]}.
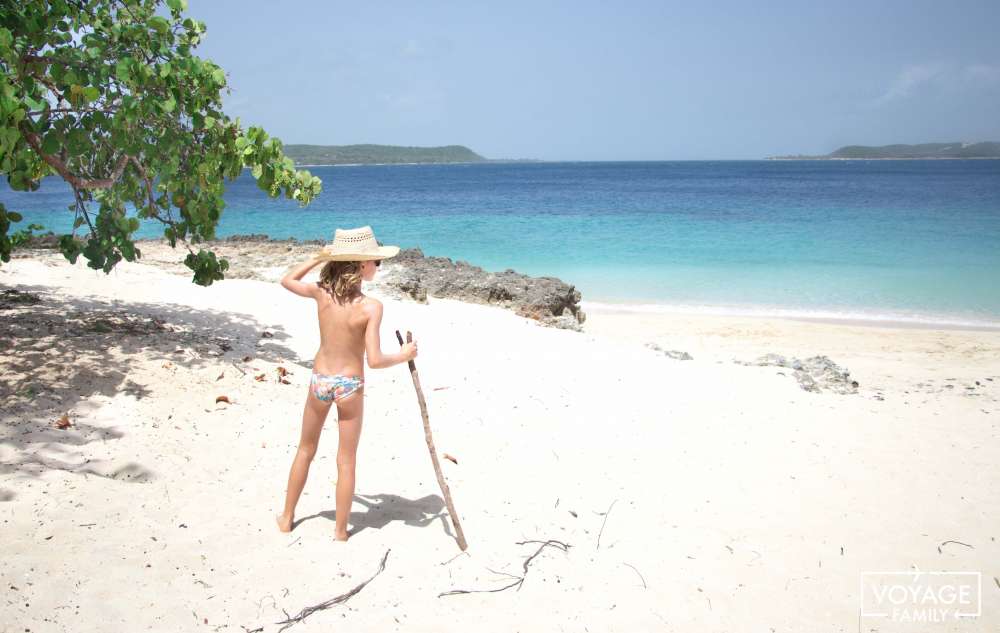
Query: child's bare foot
{"points": [[284, 523], [340, 536]]}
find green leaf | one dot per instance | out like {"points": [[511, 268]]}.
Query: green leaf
{"points": [[70, 247], [159, 23], [122, 71], [169, 105], [52, 142], [177, 5], [35, 104], [77, 141]]}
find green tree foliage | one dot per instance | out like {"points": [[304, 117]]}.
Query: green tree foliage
{"points": [[108, 95]]}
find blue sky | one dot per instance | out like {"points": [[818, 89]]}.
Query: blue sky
{"points": [[611, 81]]}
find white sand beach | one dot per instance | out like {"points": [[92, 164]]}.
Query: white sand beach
{"points": [[693, 495]]}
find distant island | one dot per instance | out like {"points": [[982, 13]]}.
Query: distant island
{"points": [[379, 154], [904, 152]]}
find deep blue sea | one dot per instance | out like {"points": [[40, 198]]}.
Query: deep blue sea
{"points": [[896, 240]]}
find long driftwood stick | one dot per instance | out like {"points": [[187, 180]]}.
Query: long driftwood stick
{"points": [[430, 447]]}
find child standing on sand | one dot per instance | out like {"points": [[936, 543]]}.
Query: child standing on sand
{"points": [[349, 329]]}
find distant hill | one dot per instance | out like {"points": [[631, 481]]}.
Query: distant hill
{"points": [[924, 150], [368, 154]]}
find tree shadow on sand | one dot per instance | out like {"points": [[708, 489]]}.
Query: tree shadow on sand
{"points": [[57, 351], [383, 509]]}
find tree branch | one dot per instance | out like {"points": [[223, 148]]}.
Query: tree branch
{"points": [[108, 110], [74, 180], [82, 208]]}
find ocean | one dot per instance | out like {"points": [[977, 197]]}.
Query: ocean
{"points": [[912, 241]]}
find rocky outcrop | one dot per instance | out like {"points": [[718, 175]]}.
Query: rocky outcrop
{"points": [[410, 274], [548, 300], [47, 240], [261, 238], [815, 374]]}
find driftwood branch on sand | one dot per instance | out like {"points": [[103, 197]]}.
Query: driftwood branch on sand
{"points": [[344, 597], [460, 535], [519, 580]]}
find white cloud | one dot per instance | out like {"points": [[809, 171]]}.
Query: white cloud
{"points": [[909, 79], [939, 76]]}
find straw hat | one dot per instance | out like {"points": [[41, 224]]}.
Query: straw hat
{"points": [[354, 245]]}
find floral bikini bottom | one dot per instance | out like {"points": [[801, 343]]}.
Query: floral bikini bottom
{"points": [[333, 387]]}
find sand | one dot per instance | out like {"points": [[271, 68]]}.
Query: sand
{"points": [[693, 495]]}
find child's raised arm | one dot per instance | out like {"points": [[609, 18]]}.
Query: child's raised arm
{"points": [[292, 280], [373, 344]]}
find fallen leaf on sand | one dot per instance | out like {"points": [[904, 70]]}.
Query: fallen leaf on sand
{"points": [[63, 422], [247, 359], [259, 377], [282, 372], [284, 382], [439, 388], [167, 365], [267, 334], [449, 458], [223, 399], [221, 376], [263, 444]]}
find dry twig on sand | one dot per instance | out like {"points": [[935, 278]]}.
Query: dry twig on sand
{"points": [[955, 542], [344, 597], [638, 574], [603, 522], [519, 580]]}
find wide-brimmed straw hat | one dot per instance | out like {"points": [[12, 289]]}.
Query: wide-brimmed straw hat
{"points": [[353, 245]]}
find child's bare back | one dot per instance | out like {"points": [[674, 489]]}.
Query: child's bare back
{"points": [[349, 325]]}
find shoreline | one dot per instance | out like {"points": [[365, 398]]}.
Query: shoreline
{"points": [[886, 320], [262, 252]]}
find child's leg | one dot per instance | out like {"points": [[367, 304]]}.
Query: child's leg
{"points": [[350, 411], [312, 423]]}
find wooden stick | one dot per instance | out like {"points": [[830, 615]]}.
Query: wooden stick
{"points": [[430, 447]]}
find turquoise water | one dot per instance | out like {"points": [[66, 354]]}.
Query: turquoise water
{"points": [[900, 240]]}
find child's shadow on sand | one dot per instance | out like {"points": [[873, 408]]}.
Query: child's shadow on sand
{"points": [[385, 508]]}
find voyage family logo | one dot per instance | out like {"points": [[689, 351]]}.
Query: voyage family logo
{"points": [[921, 596]]}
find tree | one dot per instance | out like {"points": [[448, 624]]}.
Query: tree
{"points": [[108, 95]]}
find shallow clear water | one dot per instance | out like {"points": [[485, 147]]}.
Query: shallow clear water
{"points": [[872, 239]]}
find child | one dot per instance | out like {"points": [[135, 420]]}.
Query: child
{"points": [[349, 328]]}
